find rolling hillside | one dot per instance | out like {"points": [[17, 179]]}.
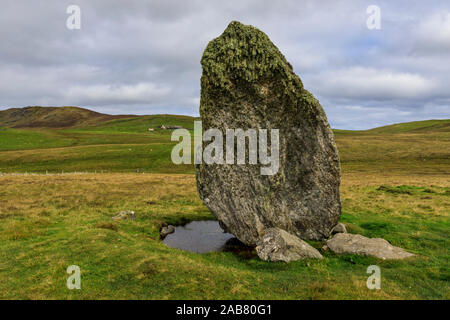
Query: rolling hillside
{"points": [[415, 127], [53, 117], [141, 124], [77, 139], [80, 118]]}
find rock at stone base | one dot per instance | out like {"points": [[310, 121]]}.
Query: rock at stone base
{"points": [[346, 243], [166, 230], [339, 228], [278, 245], [124, 215]]}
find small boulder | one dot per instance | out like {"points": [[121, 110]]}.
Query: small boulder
{"points": [[346, 243], [166, 230], [278, 245], [125, 215], [339, 228]]}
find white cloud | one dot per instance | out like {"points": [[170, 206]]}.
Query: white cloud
{"points": [[140, 93], [370, 83], [433, 34]]}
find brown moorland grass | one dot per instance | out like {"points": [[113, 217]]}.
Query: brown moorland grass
{"points": [[48, 222], [395, 185]]}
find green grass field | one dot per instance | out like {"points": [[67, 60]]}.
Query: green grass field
{"points": [[395, 185], [126, 145]]}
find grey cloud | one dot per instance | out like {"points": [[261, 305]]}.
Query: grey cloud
{"points": [[375, 84], [432, 35], [144, 56]]}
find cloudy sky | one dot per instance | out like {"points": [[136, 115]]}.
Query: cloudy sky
{"points": [[143, 57]]}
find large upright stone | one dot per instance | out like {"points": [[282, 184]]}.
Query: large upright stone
{"points": [[247, 83]]}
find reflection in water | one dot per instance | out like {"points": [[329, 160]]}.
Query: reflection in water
{"points": [[199, 237]]}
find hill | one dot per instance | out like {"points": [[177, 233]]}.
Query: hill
{"points": [[87, 120], [81, 118], [53, 117], [77, 139], [415, 127]]}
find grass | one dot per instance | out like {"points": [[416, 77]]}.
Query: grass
{"points": [[143, 123], [108, 157], [395, 185], [15, 139], [127, 145], [70, 223]]}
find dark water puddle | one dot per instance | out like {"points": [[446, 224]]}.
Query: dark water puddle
{"points": [[202, 237]]}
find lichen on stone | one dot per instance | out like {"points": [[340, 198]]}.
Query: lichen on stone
{"points": [[243, 52]]}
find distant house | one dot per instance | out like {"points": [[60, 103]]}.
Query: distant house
{"points": [[164, 127]]}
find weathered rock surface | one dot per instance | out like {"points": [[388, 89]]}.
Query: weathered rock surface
{"points": [[278, 245], [247, 83], [339, 228], [166, 231], [346, 243]]}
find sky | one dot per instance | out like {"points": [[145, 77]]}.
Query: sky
{"points": [[143, 57]]}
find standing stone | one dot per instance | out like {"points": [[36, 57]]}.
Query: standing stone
{"points": [[247, 83]]}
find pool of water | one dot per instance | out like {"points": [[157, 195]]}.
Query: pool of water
{"points": [[199, 237]]}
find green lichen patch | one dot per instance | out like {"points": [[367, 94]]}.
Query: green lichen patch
{"points": [[245, 54]]}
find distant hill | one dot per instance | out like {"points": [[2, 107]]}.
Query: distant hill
{"points": [[53, 117], [73, 139], [415, 127]]}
